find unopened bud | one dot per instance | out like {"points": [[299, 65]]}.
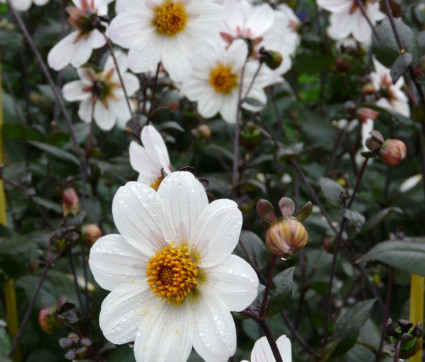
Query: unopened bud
{"points": [[417, 331], [70, 202], [369, 89], [286, 236], [49, 320], [366, 113], [392, 152], [266, 211], [90, 233], [271, 58], [204, 131], [250, 137], [343, 64], [375, 141]]}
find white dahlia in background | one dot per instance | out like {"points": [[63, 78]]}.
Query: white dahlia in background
{"points": [[172, 277], [260, 26], [103, 91], [76, 48], [150, 159], [347, 18], [169, 31], [215, 80], [392, 98], [23, 5], [263, 353]]}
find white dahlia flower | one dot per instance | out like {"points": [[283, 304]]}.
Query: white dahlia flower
{"points": [[172, 277], [103, 91], [392, 97], [347, 18], [151, 159], [169, 31], [215, 82], [76, 48], [260, 26], [24, 5], [263, 353]]}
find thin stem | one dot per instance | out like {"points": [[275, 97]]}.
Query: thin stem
{"points": [[338, 144], [77, 287], [154, 86], [335, 256], [268, 286], [297, 336], [33, 299], [364, 13], [386, 313], [251, 84], [86, 291], [271, 340], [127, 99], [397, 351]]}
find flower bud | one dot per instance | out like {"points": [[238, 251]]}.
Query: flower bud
{"points": [[70, 202], [369, 89], [271, 58], [49, 320], [204, 132], [375, 141], [90, 233], [343, 64], [393, 152], [285, 236], [250, 137]]}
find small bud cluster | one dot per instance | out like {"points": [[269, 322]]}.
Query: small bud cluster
{"points": [[77, 348], [51, 319], [285, 235], [407, 335], [391, 151]]}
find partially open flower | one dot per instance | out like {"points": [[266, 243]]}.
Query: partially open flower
{"points": [[49, 320], [70, 202], [393, 152], [285, 236]]}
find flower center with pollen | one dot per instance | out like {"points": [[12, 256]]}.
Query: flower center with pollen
{"points": [[172, 274], [170, 18], [223, 80]]}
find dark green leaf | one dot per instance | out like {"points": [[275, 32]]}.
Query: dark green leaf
{"points": [[356, 218], [17, 131], [55, 152], [381, 216], [255, 247], [407, 254], [400, 66], [281, 291], [332, 191]]}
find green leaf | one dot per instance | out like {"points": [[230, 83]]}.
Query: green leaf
{"points": [[4, 343], [255, 247], [400, 66], [381, 216], [407, 254], [48, 204], [16, 131], [281, 291], [387, 50], [332, 191], [55, 152], [227, 154], [356, 218], [347, 328]]}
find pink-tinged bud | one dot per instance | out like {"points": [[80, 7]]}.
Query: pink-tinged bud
{"points": [[366, 113], [286, 236], [90, 233], [70, 202], [392, 152], [369, 89], [49, 320]]}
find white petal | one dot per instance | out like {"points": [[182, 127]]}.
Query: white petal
{"points": [[61, 54], [234, 281], [229, 108], [155, 145], [133, 211], [215, 332], [410, 183], [105, 118], [73, 91], [122, 311], [165, 333], [21, 5], [179, 201], [263, 353], [113, 261], [142, 161], [146, 55], [81, 52], [125, 29], [85, 112], [175, 58], [260, 20], [216, 232], [131, 83]]}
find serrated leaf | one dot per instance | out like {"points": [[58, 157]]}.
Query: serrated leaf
{"points": [[356, 218], [332, 191], [55, 152], [407, 254], [381, 216], [281, 291]]}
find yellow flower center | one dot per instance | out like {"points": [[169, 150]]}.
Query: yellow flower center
{"points": [[172, 274], [223, 80], [170, 18], [156, 182]]}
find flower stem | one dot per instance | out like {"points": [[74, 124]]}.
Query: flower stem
{"points": [[268, 286], [271, 340]]}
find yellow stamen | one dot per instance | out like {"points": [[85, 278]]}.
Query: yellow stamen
{"points": [[170, 18], [172, 274], [156, 182], [223, 80]]}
